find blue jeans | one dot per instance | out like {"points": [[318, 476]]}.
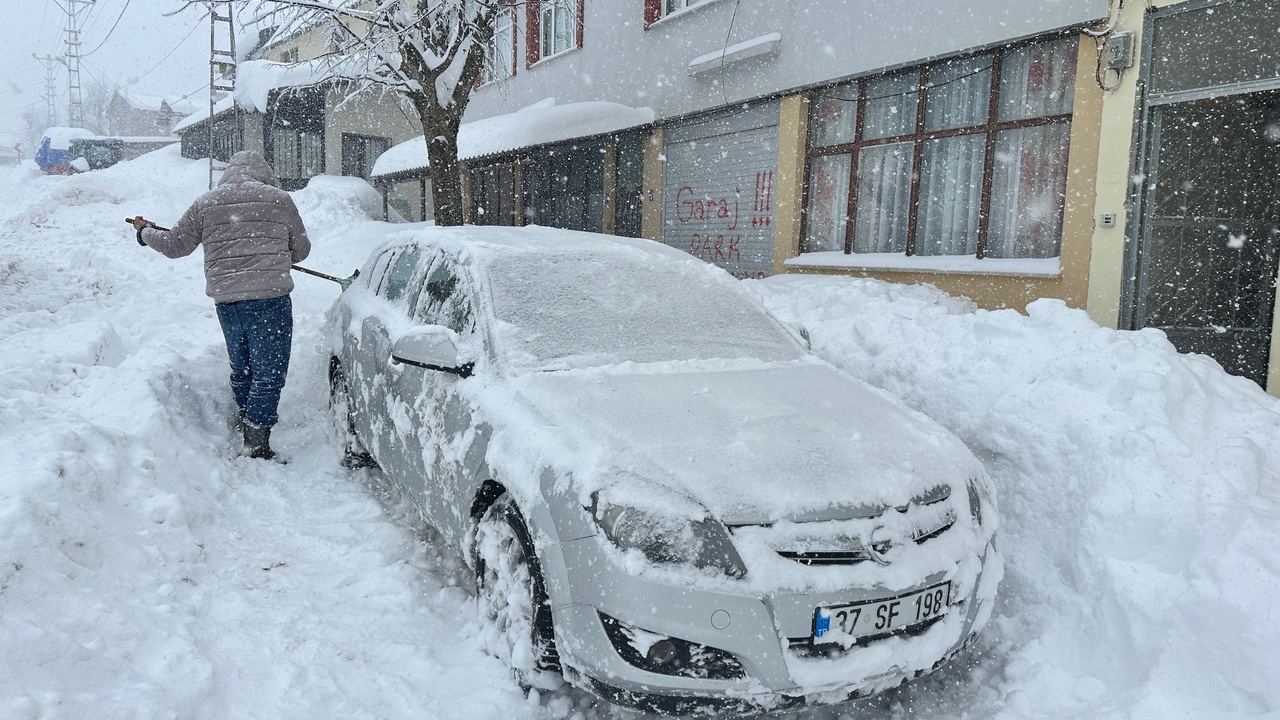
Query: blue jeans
{"points": [[258, 334]]}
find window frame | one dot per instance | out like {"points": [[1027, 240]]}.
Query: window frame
{"points": [[506, 9], [920, 136], [534, 50]]}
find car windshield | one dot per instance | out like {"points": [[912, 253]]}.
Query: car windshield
{"points": [[585, 310]]}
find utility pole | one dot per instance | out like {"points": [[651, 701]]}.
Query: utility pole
{"points": [[222, 65], [71, 58], [51, 114]]}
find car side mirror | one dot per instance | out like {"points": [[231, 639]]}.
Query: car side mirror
{"points": [[803, 333], [433, 347]]}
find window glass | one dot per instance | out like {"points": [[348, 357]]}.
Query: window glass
{"points": [[950, 195], [828, 208], [499, 60], [1038, 80], [379, 268], [884, 198], [558, 26], [396, 286], [1028, 189], [891, 103], [834, 116], [670, 6], [444, 300], [957, 93]]}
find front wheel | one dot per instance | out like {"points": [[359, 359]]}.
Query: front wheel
{"points": [[515, 615], [354, 455]]}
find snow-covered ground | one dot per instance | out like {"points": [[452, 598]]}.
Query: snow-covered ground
{"points": [[147, 571]]}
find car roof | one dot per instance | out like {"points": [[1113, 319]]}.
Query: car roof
{"points": [[481, 245]]}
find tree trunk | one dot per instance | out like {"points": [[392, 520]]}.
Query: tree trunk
{"points": [[446, 172]]}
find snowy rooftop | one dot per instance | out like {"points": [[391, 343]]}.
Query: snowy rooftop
{"points": [[538, 124], [255, 79], [60, 137]]}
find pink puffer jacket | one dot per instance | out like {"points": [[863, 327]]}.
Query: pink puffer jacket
{"points": [[250, 230]]}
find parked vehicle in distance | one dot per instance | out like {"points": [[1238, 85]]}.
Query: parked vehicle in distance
{"points": [[666, 497]]}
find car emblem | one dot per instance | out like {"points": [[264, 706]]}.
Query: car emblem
{"points": [[873, 552]]}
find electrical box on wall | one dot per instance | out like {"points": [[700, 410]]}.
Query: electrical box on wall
{"points": [[1119, 50]]}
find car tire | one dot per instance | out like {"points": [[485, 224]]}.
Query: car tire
{"points": [[515, 616], [354, 454]]}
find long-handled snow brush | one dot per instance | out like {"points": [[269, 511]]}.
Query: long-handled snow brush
{"points": [[344, 282]]}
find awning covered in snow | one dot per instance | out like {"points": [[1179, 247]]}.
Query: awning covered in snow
{"points": [[538, 124]]}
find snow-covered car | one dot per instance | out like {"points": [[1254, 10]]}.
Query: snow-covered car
{"points": [[666, 497]]}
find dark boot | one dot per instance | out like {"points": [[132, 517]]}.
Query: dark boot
{"points": [[257, 441], [238, 423]]}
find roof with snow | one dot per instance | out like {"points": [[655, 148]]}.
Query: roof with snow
{"points": [[538, 124], [60, 137]]}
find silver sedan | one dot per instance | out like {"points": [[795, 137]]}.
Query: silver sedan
{"points": [[668, 500]]}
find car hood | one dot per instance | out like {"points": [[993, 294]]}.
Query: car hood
{"points": [[798, 441]]}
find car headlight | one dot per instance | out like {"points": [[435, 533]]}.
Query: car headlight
{"points": [[978, 492], [666, 540]]}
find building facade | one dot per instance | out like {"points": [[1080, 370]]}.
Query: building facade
{"points": [[1115, 156]]}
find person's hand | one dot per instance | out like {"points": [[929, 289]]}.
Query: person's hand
{"points": [[140, 222]]}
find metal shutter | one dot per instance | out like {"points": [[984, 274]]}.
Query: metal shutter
{"points": [[718, 187]]}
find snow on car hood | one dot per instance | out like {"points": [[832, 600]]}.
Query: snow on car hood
{"points": [[751, 444]]}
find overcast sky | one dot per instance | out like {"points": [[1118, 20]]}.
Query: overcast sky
{"points": [[146, 52]]}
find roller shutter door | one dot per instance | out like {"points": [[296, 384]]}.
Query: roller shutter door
{"points": [[719, 188]]}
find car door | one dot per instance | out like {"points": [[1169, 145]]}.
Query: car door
{"points": [[355, 364], [441, 444], [396, 298]]}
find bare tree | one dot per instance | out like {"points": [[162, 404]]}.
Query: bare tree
{"points": [[430, 51]]}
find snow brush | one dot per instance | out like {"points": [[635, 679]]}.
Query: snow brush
{"points": [[344, 282]]}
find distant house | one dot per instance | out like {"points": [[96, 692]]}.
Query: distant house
{"points": [[305, 123], [136, 115]]}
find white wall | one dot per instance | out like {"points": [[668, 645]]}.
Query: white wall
{"points": [[821, 40]]}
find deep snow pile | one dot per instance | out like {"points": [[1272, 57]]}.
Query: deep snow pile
{"points": [[1139, 493], [147, 571]]}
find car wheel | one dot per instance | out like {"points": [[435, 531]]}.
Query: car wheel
{"points": [[354, 455], [515, 616]]}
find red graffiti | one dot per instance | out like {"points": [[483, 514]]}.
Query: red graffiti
{"points": [[706, 209], [715, 247], [762, 204]]}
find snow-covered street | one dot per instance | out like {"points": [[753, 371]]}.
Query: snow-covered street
{"points": [[148, 571]]}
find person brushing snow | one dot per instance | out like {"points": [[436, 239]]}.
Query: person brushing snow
{"points": [[252, 234]]}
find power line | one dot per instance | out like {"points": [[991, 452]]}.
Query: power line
{"points": [[113, 29], [166, 55]]}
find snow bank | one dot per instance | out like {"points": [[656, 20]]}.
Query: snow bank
{"points": [[1139, 492], [538, 124]]}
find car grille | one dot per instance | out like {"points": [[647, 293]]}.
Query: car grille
{"points": [[823, 544]]}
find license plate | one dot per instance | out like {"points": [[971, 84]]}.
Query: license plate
{"points": [[880, 617]]}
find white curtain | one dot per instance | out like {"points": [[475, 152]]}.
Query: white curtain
{"points": [[828, 208], [834, 116], [891, 103], [884, 198], [1028, 190], [1038, 80], [950, 195], [958, 94]]}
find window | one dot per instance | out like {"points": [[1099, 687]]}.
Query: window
{"points": [[289, 56], [962, 157], [397, 286], [554, 26], [444, 300], [655, 10], [359, 152], [500, 59]]}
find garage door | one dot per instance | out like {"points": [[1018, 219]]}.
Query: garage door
{"points": [[719, 190]]}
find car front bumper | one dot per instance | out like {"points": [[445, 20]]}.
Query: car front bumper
{"points": [[768, 636]]}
